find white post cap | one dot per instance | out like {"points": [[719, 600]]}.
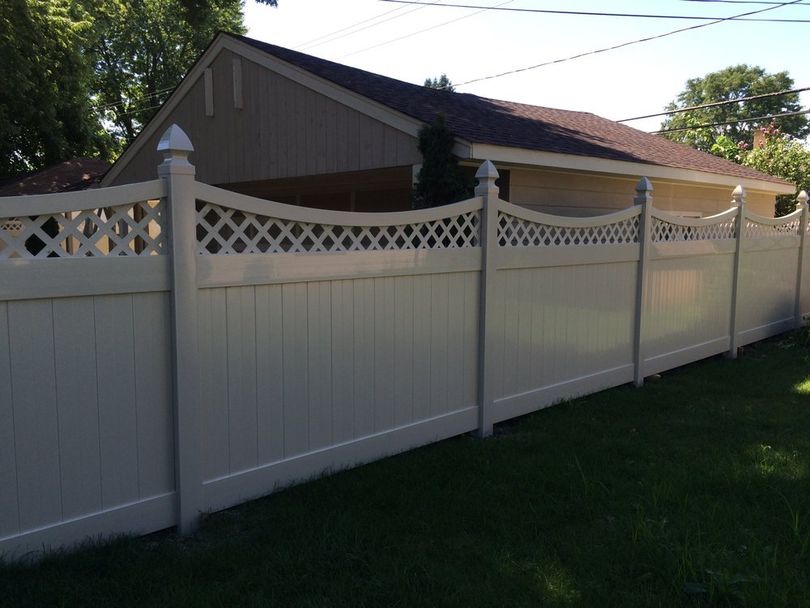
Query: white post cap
{"points": [[175, 146], [486, 176]]}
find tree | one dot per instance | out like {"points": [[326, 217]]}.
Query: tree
{"points": [[777, 154], [45, 112], [442, 83], [731, 83], [440, 180], [143, 48], [783, 156], [81, 77]]}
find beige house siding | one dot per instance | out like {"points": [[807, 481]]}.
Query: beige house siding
{"points": [[583, 194], [283, 130]]}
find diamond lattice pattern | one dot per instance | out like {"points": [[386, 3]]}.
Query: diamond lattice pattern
{"points": [[667, 232], [516, 232], [756, 230], [136, 229], [227, 231]]}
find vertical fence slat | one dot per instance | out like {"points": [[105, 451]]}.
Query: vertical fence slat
{"points": [[9, 513], [152, 341], [118, 424], [270, 378], [342, 361], [35, 412], [75, 361], [403, 355]]}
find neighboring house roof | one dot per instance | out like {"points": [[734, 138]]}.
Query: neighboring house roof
{"points": [[74, 174], [504, 123]]}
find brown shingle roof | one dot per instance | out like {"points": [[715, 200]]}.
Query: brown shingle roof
{"points": [[504, 123], [74, 174]]}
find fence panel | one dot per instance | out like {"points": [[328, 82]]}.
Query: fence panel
{"points": [[689, 289], [768, 279], [565, 311], [332, 339], [146, 376], [85, 382]]}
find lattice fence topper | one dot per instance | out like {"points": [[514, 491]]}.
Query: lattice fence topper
{"points": [[756, 230], [516, 232], [221, 230], [135, 229], [668, 232]]}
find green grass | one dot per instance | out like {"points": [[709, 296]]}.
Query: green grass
{"points": [[692, 491]]}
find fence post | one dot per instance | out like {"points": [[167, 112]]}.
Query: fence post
{"points": [[486, 188], [182, 240], [801, 205], [644, 198], [737, 200]]}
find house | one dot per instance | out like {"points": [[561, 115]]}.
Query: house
{"points": [[67, 176], [278, 124]]}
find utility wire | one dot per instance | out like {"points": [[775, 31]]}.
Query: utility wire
{"points": [[120, 103], [422, 31], [308, 45], [731, 122], [348, 27], [624, 44], [716, 103], [590, 13], [740, 2]]}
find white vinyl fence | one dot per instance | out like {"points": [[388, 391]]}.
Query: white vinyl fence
{"points": [[170, 348]]}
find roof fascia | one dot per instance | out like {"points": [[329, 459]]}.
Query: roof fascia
{"points": [[522, 156]]}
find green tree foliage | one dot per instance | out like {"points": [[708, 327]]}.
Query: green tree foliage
{"points": [[442, 83], [440, 180], [731, 83], [778, 154], [143, 48], [81, 77], [45, 113]]}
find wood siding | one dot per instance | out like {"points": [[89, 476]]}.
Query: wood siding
{"points": [[582, 194], [283, 130]]}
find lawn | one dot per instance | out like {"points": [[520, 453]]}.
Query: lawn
{"points": [[690, 491]]}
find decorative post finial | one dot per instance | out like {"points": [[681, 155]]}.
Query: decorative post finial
{"points": [[644, 190], [486, 176], [738, 196], [175, 146], [801, 200]]}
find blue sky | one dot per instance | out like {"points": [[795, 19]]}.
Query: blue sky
{"points": [[638, 79]]}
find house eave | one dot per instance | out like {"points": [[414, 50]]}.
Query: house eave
{"points": [[536, 158]]}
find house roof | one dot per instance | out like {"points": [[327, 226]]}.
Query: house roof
{"points": [[74, 174], [505, 123]]}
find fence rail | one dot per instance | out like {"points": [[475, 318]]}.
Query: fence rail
{"points": [[213, 346]]}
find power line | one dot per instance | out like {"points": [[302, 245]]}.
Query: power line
{"points": [[716, 103], [120, 103], [138, 111], [309, 45], [422, 31], [625, 44], [731, 122], [741, 2], [590, 13], [348, 27]]}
